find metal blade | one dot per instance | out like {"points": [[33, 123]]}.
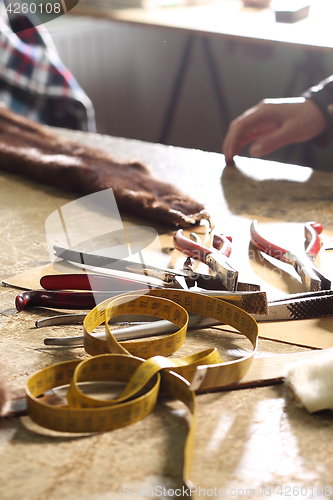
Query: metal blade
{"points": [[222, 269], [108, 263]]}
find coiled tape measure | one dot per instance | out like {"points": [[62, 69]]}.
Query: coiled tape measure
{"points": [[142, 365]]}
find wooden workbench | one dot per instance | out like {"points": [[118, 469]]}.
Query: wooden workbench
{"points": [[255, 441]]}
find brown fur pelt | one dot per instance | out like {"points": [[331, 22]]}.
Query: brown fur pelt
{"points": [[34, 151]]}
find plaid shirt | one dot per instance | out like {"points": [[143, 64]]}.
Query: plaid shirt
{"points": [[35, 83]]}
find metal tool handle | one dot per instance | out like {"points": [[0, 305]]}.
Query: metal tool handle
{"points": [[312, 230], [223, 244], [189, 247], [194, 249], [61, 300], [264, 245], [88, 282]]}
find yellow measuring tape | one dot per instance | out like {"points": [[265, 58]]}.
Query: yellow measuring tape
{"points": [[141, 365]]}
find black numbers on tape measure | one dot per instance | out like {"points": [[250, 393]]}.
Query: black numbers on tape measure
{"points": [[167, 309], [219, 309], [188, 301], [209, 306], [198, 303], [176, 315]]}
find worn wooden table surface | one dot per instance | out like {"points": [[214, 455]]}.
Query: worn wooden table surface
{"points": [[251, 442]]}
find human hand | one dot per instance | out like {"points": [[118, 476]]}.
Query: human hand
{"points": [[271, 124]]}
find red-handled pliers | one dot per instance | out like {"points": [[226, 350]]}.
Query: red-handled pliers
{"points": [[304, 265], [216, 259]]}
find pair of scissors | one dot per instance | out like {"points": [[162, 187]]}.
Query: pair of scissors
{"points": [[310, 274], [216, 258]]}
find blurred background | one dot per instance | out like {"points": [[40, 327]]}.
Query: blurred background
{"points": [[130, 70]]}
